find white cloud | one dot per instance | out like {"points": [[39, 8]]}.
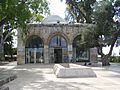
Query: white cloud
{"points": [[57, 7]]}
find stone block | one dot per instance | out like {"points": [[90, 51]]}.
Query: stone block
{"points": [[73, 71]]}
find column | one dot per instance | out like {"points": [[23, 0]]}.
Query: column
{"points": [[70, 49], [34, 55], [93, 55], [21, 56], [46, 54], [20, 50]]}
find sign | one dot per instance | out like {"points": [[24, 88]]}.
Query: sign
{"points": [[69, 47]]}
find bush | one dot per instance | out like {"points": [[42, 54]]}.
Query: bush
{"points": [[114, 59]]}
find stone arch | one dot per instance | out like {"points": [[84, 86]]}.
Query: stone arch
{"points": [[79, 52], [58, 52], [31, 36], [55, 34], [75, 39], [74, 36], [34, 50]]}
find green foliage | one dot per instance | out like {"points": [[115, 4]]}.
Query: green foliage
{"points": [[90, 37], [105, 31], [8, 44], [18, 13], [14, 51], [115, 59], [7, 49], [105, 24], [79, 10]]}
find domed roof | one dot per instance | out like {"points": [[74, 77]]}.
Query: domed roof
{"points": [[53, 19]]}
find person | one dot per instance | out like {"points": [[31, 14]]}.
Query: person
{"points": [[41, 59]]}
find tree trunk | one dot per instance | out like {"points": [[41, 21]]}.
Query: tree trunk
{"points": [[2, 58], [105, 60]]}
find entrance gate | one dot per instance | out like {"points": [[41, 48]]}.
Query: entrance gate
{"points": [[58, 52], [58, 55]]}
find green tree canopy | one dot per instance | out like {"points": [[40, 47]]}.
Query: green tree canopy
{"points": [[105, 14], [106, 30], [79, 10], [18, 13]]}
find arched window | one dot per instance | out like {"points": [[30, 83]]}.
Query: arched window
{"points": [[34, 42], [34, 50], [58, 41], [79, 52]]}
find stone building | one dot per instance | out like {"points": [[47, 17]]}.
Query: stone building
{"points": [[53, 41]]}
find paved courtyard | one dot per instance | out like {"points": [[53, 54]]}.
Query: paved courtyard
{"points": [[41, 77]]}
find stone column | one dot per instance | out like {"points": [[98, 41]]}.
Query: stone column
{"points": [[93, 55], [21, 56], [70, 51], [34, 55], [46, 56], [20, 50], [20, 53]]}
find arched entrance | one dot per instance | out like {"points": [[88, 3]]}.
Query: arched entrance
{"points": [[58, 52], [79, 52], [34, 50]]}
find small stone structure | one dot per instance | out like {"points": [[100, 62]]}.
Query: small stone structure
{"points": [[73, 71], [52, 41]]}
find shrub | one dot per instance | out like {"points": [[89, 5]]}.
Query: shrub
{"points": [[114, 59]]}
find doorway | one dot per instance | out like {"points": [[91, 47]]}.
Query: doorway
{"points": [[58, 55]]}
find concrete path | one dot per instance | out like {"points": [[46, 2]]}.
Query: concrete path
{"points": [[41, 77]]}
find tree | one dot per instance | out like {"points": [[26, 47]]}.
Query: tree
{"points": [[18, 13], [8, 44], [79, 10], [106, 31]]}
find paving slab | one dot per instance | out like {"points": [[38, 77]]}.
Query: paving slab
{"points": [[6, 75], [41, 77]]}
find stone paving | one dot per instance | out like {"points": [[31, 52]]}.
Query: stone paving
{"points": [[6, 75], [41, 77]]}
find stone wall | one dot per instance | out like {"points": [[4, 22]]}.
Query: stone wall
{"points": [[46, 32]]}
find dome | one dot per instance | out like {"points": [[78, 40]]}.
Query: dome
{"points": [[53, 19]]}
